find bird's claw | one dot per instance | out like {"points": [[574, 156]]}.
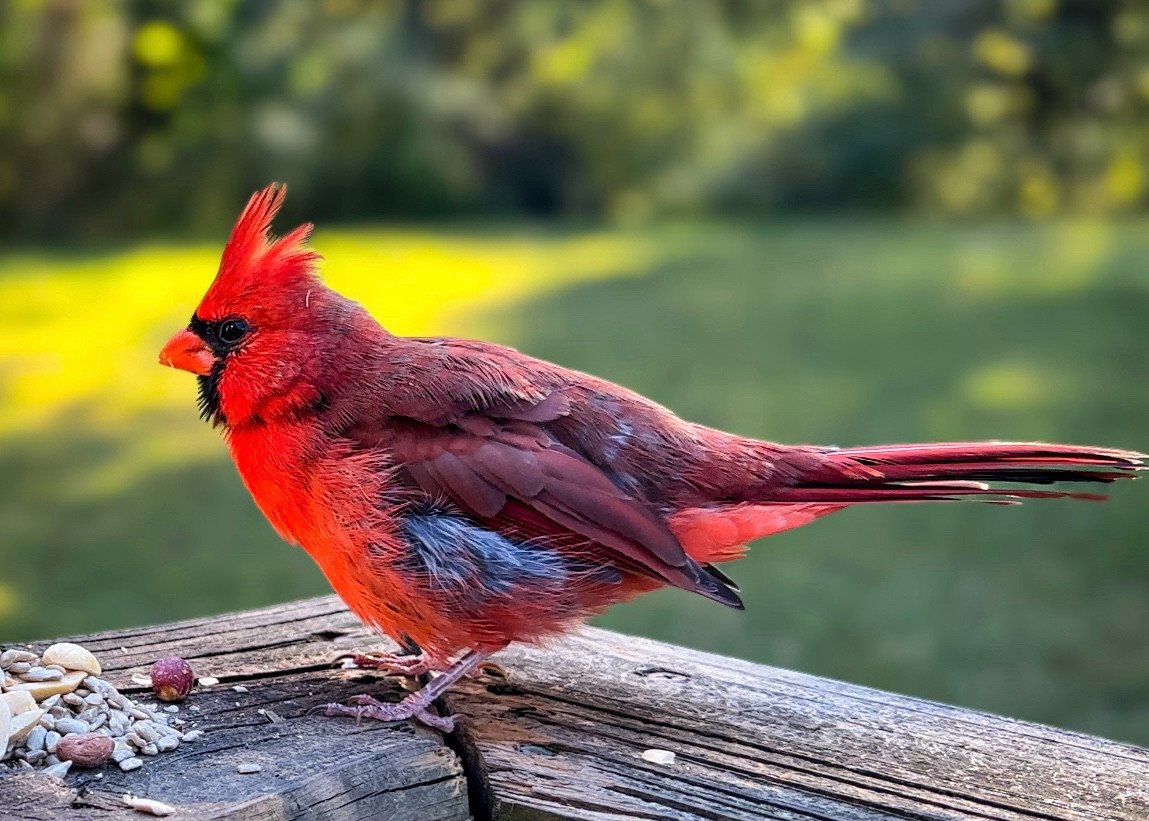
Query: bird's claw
{"points": [[364, 706], [391, 665]]}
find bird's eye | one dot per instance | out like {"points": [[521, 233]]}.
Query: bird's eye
{"points": [[232, 330]]}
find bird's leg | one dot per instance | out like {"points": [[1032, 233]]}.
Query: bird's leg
{"points": [[414, 664], [418, 704]]}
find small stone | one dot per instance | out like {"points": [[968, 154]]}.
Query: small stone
{"points": [[132, 763], [87, 750], [72, 657], [658, 756], [42, 674], [248, 768], [40, 690], [59, 770], [68, 726], [148, 805]]}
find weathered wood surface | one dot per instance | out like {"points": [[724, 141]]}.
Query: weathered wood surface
{"points": [[312, 766], [563, 738]]}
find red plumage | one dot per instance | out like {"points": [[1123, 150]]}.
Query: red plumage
{"points": [[465, 495]]}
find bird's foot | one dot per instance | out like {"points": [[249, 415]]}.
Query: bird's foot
{"points": [[365, 706], [418, 664], [418, 704], [396, 665]]}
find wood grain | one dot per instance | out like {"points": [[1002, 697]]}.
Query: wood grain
{"points": [[564, 737]]}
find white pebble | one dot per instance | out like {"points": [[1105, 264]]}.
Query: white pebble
{"points": [[658, 756], [248, 769], [132, 763]]}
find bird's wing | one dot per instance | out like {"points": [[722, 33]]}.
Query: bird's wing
{"points": [[512, 476]]}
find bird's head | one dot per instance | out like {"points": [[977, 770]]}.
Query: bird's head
{"points": [[253, 335]]}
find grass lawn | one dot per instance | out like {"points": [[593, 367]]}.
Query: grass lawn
{"points": [[118, 507]]}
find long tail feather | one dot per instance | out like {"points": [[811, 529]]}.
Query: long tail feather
{"points": [[960, 470]]}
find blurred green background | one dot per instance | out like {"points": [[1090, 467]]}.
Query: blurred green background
{"points": [[832, 221]]}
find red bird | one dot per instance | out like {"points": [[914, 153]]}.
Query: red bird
{"points": [[460, 495]]}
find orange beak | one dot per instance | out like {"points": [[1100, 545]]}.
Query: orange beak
{"points": [[188, 352]]}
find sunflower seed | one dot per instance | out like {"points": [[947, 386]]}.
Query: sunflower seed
{"points": [[41, 674], [13, 656], [132, 763], [59, 769], [67, 726], [36, 739], [149, 805]]}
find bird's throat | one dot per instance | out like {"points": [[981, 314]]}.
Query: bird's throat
{"points": [[209, 399]]}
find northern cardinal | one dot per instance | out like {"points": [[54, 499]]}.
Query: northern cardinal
{"points": [[460, 495]]}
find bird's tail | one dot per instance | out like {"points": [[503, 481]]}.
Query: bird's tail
{"points": [[822, 481], [958, 470]]}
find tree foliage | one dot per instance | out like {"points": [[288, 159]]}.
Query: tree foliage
{"points": [[124, 117]]}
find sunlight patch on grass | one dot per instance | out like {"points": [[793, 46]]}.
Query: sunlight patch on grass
{"points": [[85, 331]]}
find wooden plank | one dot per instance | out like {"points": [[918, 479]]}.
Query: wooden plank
{"points": [[312, 766], [563, 738]]}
